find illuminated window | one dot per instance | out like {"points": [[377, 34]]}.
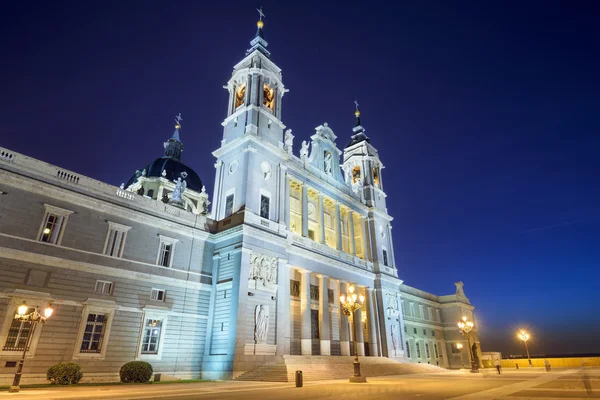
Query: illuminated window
{"points": [[151, 336], [356, 174], [240, 93], [376, 176], [268, 97], [53, 226]]}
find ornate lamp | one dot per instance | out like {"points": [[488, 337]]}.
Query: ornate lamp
{"points": [[465, 327], [524, 336], [350, 303], [32, 317]]}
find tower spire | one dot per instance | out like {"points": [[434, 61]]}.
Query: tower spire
{"points": [[259, 43], [174, 147], [359, 131]]}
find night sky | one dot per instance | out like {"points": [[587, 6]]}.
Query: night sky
{"points": [[485, 115]]}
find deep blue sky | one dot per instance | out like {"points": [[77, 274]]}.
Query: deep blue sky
{"points": [[485, 115]]}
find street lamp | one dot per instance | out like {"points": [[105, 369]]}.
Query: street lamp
{"points": [[33, 318], [524, 336], [350, 303], [465, 327], [459, 346]]}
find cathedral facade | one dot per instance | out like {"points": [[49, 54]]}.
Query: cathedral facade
{"points": [[154, 270]]}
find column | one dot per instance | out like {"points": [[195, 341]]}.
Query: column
{"points": [[284, 203], [344, 333], [322, 218], [351, 223], [364, 238], [324, 336], [338, 215], [371, 320], [304, 210], [305, 329], [283, 308], [358, 329]]}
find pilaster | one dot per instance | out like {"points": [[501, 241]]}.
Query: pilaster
{"points": [[324, 335], [305, 328], [338, 216], [371, 320], [304, 210], [344, 333]]}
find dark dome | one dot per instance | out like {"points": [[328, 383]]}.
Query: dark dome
{"points": [[173, 170]]}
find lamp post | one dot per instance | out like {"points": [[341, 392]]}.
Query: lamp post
{"points": [[33, 318], [465, 327], [459, 346], [350, 303], [524, 336]]}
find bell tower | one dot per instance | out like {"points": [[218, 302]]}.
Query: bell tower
{"points": [[255, 94], [362, 168], [248, 164]]}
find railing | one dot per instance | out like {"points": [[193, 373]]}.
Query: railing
{"points": [[67, 176], [14, 348], [6, 156]]}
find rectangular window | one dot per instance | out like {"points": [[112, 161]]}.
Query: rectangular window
{"points": [[418, 351], [166, 251], [151, 336], [264, 206], [405, 330], [158, 294], [229, 205], [415, 331], [52, 228], [104, 287], [407, 350], [433, 333], [412, 310], [436, 351], [115, 239], [429, 314], [164, 258], [385, 259], [93, 334], [427, 350], [425, 332], [439, 317], [18, 334]]}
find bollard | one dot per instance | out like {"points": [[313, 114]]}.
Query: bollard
{"points": [[516, 365], [299, 378]]}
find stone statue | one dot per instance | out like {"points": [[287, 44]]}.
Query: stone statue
{"points": [[289, 141], [180, 186], [327, 163], [261, 323], [304, 150], [144, 172], [204, 201], [122, 186]]}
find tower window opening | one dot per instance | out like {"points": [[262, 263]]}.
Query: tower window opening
{"points": [[240, 93], [356, 174], [268, 97]]}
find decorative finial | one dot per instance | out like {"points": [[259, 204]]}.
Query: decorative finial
{"points": [[357, 112], [260, 22], [178, 120]]}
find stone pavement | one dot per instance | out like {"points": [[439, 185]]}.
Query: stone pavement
{"points": [[455, 385]]}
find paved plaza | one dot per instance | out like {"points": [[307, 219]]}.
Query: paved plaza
{"points": [[456, 385]]}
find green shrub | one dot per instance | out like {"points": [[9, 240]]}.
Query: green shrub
{"points": [[136, 372], [64, 374]]}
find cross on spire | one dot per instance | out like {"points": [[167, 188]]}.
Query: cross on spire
{"points": [[178, 120], [356, 103], [260, 13]]}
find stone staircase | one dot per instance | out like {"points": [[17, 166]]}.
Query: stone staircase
{"points": [[315, 368]]}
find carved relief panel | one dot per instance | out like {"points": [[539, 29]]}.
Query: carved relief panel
{"points": [[263, 272]]}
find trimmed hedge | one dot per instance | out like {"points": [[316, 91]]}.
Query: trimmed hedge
{"points": [[136, 372], [64, 373]]}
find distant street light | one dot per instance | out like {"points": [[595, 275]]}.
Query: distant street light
{"points": [[33, 318], [459, 346], [465, 327], [350, 303], [524, 336]]}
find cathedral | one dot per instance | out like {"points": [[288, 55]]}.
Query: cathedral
{"points": [[218, 284]]}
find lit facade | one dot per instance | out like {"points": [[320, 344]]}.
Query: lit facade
{"points": [[154, 271]]}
